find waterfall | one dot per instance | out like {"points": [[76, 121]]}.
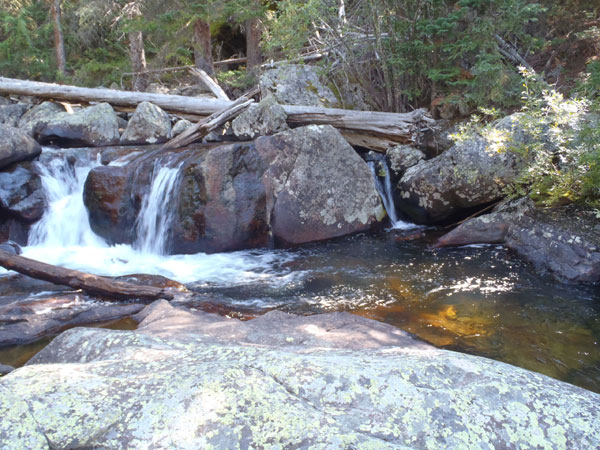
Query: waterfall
{"points": [[158, 209], [383, 184], [65, 223]]}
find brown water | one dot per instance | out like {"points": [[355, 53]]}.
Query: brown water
{"points": [[482, 301]]}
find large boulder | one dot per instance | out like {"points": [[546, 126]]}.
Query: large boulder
{"points": [[299, 186], [400, 158], [194, 380], [262, 119], [148, 125], [21, 194], [295, 84], [11, 114], [221, 204], [16, 146], [474, 172], [317, 186], [94, 126], [39, 115], [564, 242]]}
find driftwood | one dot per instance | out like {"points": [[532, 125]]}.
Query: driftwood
{"points": [[210, 83], [202, 128], [398, 128], [92, 284]]}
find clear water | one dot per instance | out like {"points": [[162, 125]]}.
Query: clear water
{"points": [[479, 300]]}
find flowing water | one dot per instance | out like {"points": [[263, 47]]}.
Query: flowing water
{"points": [[478, 299]]}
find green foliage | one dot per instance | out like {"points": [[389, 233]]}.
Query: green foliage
{"points": [[563, 148]]}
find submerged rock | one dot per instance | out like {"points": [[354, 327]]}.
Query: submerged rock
{"points": [[16, 146], [262, 119], [296, 84], [191, 380], [11, 247], [94, 126], [148, 125], [317, 186], [27, 321], [4, 369], [564, 242]]}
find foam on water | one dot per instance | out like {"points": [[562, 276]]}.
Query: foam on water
{"points": [[64, 237]]}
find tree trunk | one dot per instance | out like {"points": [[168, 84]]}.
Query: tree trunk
{"points": [[92, 284], [253, 33], [59, 44], [202, 47], [138, 60], [399, 128]]}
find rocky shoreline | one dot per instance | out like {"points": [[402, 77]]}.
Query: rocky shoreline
{"points": [[193, 380]]}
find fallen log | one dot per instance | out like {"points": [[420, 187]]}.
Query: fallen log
{"points": [[91, 284], [210, 83], [398, 128], [202, 128]]}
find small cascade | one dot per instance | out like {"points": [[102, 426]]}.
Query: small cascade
{"points": [[65, 223], [383, 184], [158, 209]]}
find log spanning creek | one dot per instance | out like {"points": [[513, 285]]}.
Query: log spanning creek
{"points": [[479, 299]]}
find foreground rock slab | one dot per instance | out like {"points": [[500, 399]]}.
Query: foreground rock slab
{"points": [[186, 380]]}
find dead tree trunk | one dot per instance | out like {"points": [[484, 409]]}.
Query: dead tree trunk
{"points": [[398, 128], [92, 284], [203, 47], [138, 60], [59, 43], [253, 33]]}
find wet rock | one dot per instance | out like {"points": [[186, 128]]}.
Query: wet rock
{"points": [[21, 194], [324, 381], [317, 186], [11, 247], [14, 230], [4, 369], [16, 146], [221, 204], [28, 321], [39, 115], [564, 242], [180, 126], [148, 125], [11, 114], [262, 119], [400, 158], [112, 208], [473, 172], [293, 84], [95, 126]]}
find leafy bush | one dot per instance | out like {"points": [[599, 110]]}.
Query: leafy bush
{"points": [[562, 152]]}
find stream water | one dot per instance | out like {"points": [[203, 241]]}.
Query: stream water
{"points": [[480, 300]]}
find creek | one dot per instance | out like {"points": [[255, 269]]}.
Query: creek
{"points": [[479, 299]]}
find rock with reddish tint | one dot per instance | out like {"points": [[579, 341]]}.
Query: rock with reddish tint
{"points": [[221, 202], [317, 186], [16, 146], [112, 209]]}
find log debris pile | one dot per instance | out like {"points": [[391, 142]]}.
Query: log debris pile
{"points": [[375, 130]]}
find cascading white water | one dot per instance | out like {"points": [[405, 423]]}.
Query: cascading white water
{"points": [[156, 214], [381, 171], [64, 237], [65, 223]]}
